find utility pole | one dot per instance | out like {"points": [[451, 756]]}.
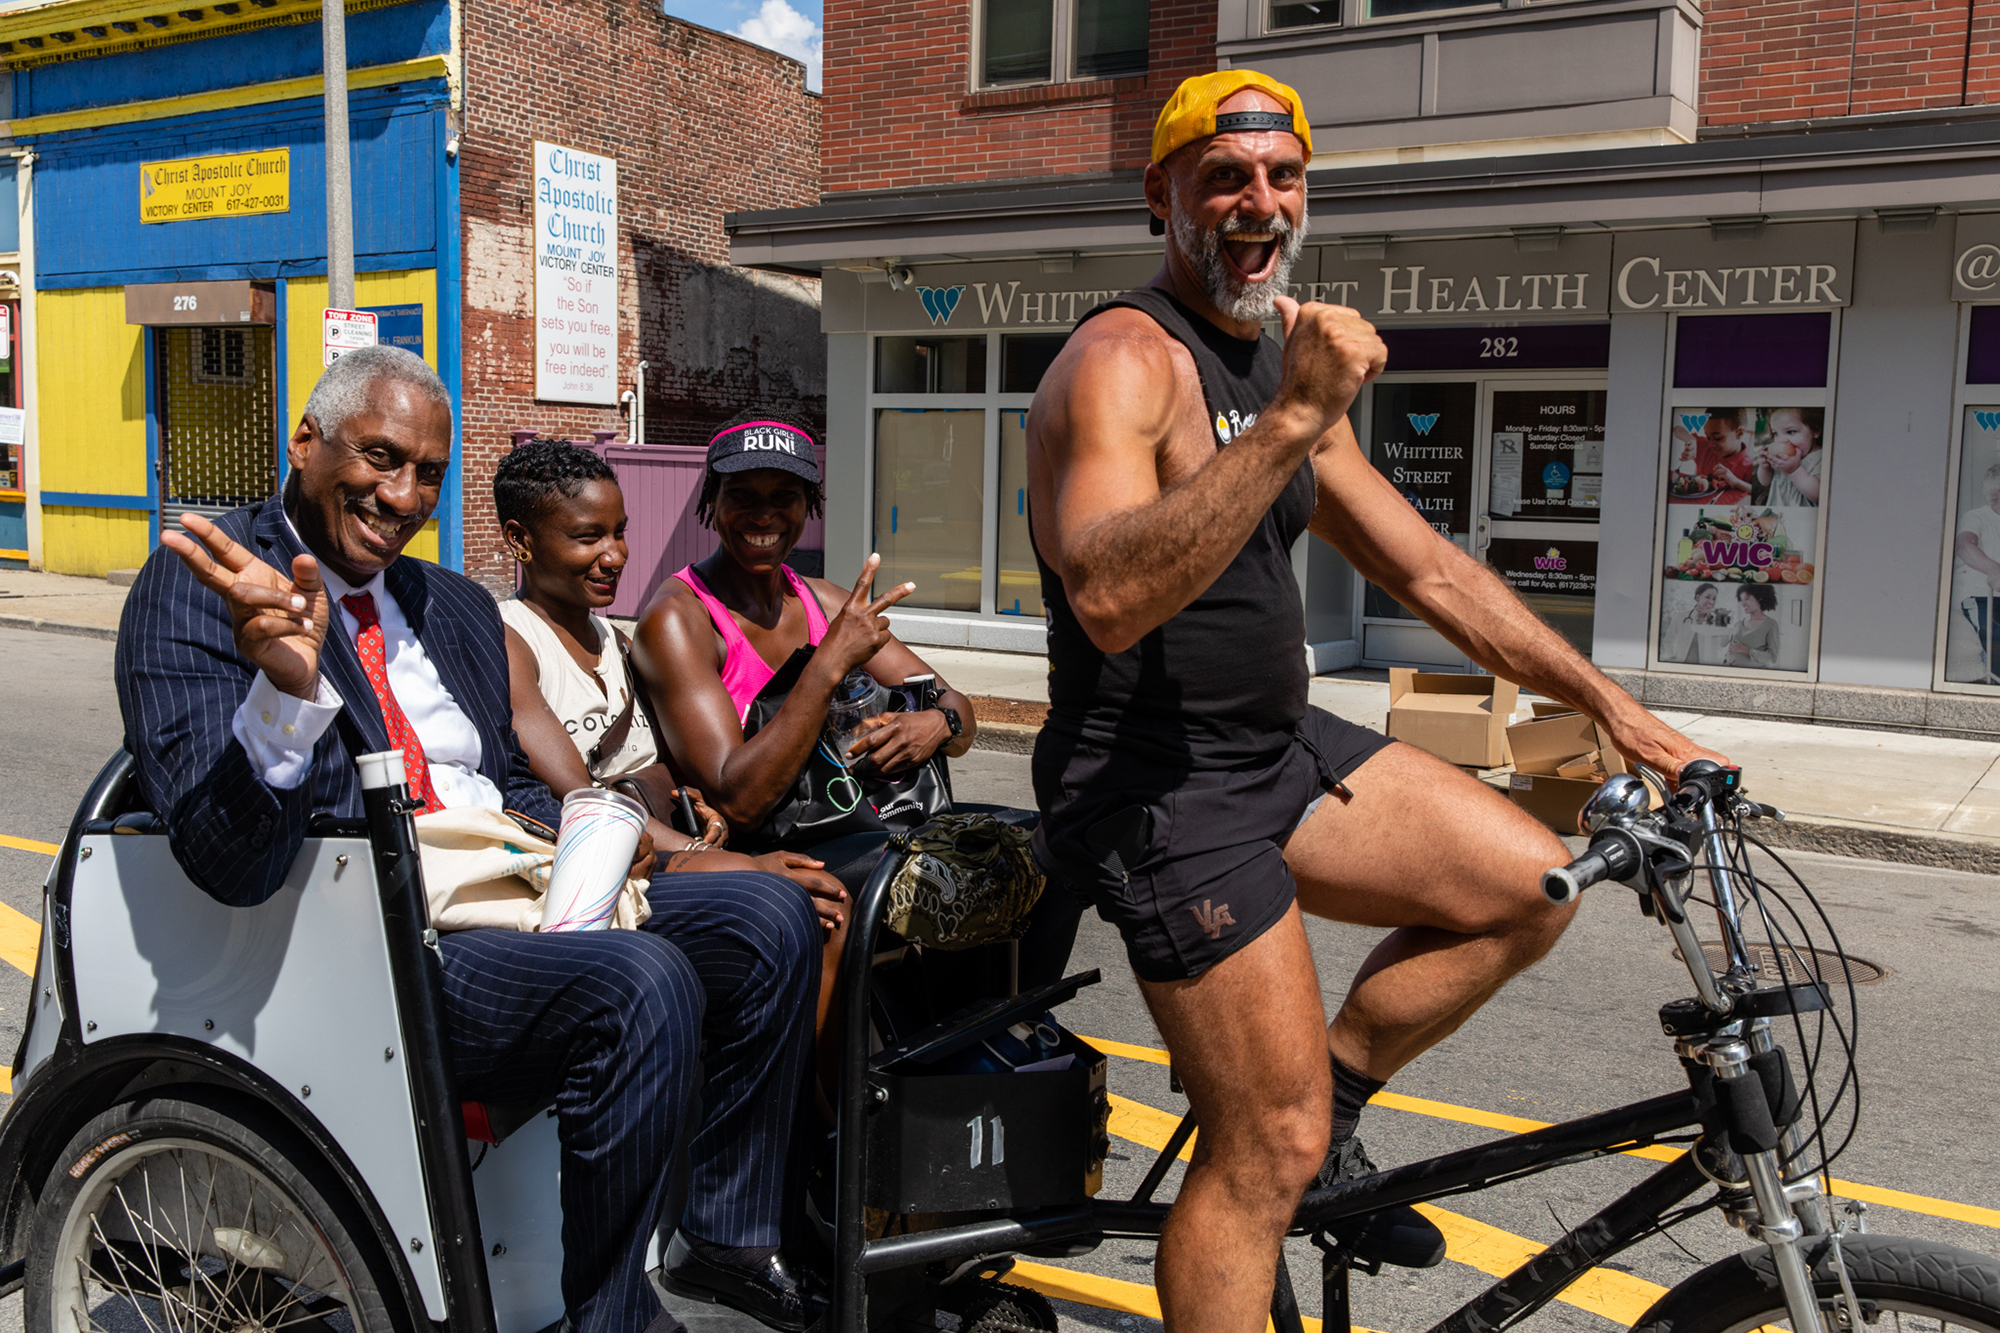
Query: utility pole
{"points": [[339, 189]]}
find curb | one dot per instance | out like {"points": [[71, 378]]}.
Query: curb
{"points": [[36, 623], [1942, 851], [1006, 737]]}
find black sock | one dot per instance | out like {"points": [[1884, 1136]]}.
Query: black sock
{"points": [[731, 1256], [1351, 1092]]}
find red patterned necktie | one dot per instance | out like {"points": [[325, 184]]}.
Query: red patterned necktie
{"points": [[402, 735]]}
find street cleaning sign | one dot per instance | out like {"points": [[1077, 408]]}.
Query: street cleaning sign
{"points": [[342, 331], [576, 276], [229, 186]]}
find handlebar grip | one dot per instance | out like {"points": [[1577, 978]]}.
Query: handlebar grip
{"points": [[1608, 858]]}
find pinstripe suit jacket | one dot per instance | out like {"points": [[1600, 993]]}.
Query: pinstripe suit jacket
{"points": [[180, 682]]}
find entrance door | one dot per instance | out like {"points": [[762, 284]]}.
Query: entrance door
{"points": [[1511, 470], [217, 415]]}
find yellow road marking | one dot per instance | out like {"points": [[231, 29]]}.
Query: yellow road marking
{"points": [[1602, 1291], [29, 845], [20, 939], [1106, 1293], [1847, 1189]]}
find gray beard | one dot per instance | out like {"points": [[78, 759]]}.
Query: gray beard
{"points": [[1249, 302]]}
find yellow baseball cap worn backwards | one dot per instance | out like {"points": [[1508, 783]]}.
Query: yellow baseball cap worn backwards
{"points": [[1190, 113]]}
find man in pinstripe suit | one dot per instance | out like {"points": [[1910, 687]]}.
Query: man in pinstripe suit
{"points": [[259, 654]]}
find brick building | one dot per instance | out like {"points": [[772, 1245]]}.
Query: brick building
{"points": [[168, 343], [699, 122], [1612, 243]]}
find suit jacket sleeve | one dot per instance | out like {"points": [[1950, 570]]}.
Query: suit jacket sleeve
{"points": [[179, 684]]}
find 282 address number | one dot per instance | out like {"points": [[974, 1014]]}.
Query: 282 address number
{"points": [[1499, 347]]}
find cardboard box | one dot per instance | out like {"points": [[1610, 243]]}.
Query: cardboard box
{"points": [[1460, 719], [1560, 760]]}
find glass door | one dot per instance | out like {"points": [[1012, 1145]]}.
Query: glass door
{"points": [[1510, 468], [1545, 482]]}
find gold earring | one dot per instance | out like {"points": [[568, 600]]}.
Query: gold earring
{"points": [[522, 556]]}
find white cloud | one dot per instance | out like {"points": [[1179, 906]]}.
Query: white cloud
{"points": [[777, 25]]}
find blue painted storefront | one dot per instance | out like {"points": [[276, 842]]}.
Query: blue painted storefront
{"points": [[87, 228]]}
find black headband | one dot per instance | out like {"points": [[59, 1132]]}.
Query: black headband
{"points": [[1238, 122]]}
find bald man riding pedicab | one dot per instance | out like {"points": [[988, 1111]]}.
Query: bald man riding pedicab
{"points": [[1175, 453]]}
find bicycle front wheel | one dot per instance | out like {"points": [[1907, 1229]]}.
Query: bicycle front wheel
{"points": [[1920, 1287]]}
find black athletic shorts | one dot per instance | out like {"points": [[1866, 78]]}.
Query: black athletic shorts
{"points": [[1189, 870]]}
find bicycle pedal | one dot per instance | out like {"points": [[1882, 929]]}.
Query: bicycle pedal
{"points": [[1400, 1242]]}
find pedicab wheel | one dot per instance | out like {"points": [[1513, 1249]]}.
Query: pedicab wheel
{"points": [[1901, 1285], [986, 1306], [164, 1214]]}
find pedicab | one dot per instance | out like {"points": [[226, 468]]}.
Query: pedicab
{"points": [[238, 1118]]}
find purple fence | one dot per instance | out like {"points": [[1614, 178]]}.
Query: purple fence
{"points": [[661, 484]]}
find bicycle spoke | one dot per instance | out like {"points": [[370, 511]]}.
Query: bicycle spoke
{"points": [[88, 1273], [189, 1280]]}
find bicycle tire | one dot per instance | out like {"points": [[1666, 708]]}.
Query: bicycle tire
{"points": [[1957, 1288], [292, 1226]]}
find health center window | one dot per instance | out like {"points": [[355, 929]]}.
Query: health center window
{"points": [[1971, 589], [1058, 41], [1748, 434], [950, 469]]}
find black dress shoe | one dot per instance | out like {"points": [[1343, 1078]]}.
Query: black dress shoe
{"points": [[769, 1292], [1401, 1236]]}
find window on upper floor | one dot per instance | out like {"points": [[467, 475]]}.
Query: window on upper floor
{"points": [[1285, 15], [1057, 41], [1288, 14]]}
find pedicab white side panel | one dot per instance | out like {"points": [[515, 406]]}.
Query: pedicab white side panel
{"points": [[298, 987], [520, 1219]]}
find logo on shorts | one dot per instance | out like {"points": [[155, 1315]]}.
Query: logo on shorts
{"points": [[1212, 918]]}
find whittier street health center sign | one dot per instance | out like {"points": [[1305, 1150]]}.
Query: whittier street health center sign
{"points": [[576, 276], [229, 185]]}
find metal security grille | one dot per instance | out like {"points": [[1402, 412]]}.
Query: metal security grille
{"points": [[217, 413]]}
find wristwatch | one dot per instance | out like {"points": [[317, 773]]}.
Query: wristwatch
{"points": [[951, 720]]}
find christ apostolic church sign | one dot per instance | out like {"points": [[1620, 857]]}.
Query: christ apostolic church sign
{"points": [[576, 276], [229, 185]]}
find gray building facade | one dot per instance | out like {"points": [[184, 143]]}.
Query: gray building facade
{"points": [[1722, 408]]}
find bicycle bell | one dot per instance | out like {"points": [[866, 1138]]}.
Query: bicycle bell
{"points": [[1620, 800]]}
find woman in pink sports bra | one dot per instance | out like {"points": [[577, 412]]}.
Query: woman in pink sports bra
{"points": [[717, 631]]}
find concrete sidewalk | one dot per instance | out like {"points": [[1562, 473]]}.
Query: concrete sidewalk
{"points": [[60, 604], [1882, 794]]}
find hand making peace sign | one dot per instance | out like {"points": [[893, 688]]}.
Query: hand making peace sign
{"points": [[280, 622], [860, 630]]}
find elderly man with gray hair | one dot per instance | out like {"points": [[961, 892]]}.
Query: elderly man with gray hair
{"points": [[259, 654]]}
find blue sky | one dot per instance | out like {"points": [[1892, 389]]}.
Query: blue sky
{"points": [[791, 26]]}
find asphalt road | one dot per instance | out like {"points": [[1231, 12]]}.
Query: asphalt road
{"points": [[1576, 1035]]}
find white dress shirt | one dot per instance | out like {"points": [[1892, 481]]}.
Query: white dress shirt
{"points": [[278, 730]]}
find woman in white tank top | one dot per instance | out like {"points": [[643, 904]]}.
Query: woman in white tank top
{"points": [[587, 703]]}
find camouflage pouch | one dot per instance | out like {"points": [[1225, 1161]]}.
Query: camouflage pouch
{"points": [[968, 880]]}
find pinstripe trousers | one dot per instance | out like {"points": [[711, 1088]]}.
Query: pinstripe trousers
{"points": [[613, 1024]]}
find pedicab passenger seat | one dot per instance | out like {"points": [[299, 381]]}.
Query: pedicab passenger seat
{"points": [[114, 805]]}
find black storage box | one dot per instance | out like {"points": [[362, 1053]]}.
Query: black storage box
{"points": [[947, 1143]]}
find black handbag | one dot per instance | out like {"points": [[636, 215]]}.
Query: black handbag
{"points": [[829, 799]]}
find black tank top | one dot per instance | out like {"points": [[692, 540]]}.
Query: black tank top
{"points": [[1223, 683]]}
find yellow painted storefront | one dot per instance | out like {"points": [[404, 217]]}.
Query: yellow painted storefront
{"points": [[91, 383]]}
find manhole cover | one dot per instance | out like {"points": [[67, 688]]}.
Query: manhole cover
{"points": [[1797, 961]]}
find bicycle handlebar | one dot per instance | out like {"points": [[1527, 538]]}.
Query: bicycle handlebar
{"points": [[1612, 857]]}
